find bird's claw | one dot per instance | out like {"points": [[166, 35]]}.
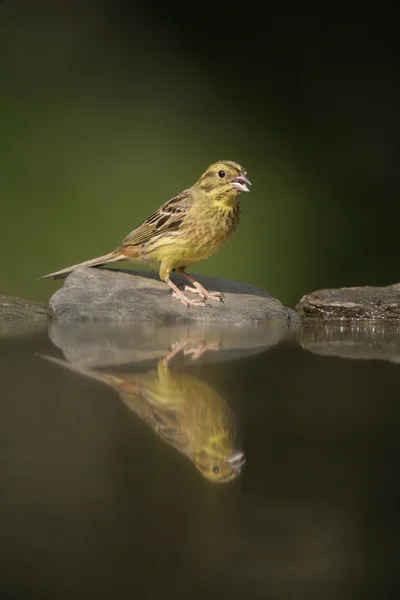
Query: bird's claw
{"points": [[187, 301], [202, 348], [203, 293]]}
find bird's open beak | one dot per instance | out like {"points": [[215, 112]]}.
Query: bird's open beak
{"points": [[236, 461], [240, 183]]}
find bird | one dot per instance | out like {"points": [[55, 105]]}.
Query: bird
{"points": [[187, 229], [184, 411]]}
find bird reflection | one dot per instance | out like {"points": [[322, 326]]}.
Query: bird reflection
{"points": [[184, 411]]}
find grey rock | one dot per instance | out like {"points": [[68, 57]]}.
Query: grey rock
{"points": [[377, 303], [110, 295], [20, 317], [19, 309], [99, 345], [366, 340]]}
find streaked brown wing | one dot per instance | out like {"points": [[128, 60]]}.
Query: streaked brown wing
{"points": [[166, 423], [168, 217]]}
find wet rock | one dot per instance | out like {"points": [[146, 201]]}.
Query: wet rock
{"points": [[19, 317], [105, 295], [378, 303], [17, 309]]}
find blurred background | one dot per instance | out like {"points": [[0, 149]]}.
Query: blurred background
{"points": [[109, 108]]}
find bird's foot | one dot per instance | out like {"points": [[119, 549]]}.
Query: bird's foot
{"points": [[201, 349], [187, 301], [204, 294], [177, 293]]}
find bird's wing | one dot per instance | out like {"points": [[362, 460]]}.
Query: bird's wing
{"points": [[165, 422], [167, 218]]}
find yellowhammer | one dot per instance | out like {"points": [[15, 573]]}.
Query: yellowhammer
{"points": [[187, 229], [184, 411]]}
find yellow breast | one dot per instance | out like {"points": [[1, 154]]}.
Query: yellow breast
{"points": [[207, 234], [204, 231]]}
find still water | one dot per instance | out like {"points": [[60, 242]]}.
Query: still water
{"points": [[199, 463]]}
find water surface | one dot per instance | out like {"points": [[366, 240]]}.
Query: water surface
{"points": [[104, 496]]}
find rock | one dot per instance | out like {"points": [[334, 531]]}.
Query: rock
{"points": [[19, 317], [17, 309], [378, 303], [109, 295], [104, 344], [366, 340]]}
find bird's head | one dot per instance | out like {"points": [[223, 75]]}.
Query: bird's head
{"points": [[224, 178], [217, 465]]}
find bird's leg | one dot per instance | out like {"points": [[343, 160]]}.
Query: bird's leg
{"points": [[175, 349], [200, 289], [176, 293]]}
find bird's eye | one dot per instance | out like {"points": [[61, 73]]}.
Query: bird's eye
{"points": [[221, 174], [215, 469]]}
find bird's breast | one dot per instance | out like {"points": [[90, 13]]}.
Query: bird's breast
{"points": [[204, 231], [214, 229]]}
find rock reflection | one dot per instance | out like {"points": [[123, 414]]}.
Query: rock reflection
{"points": [[367, 340], [183, 410]]}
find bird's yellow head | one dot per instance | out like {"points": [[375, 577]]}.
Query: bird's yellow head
{"points": [[219, 466], [224, 178]]}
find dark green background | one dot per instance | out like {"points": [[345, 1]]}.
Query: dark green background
{"points": [[109, 109]]}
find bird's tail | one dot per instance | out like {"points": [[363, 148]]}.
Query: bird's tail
{"points": [[94, 262], [106, 378]]}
